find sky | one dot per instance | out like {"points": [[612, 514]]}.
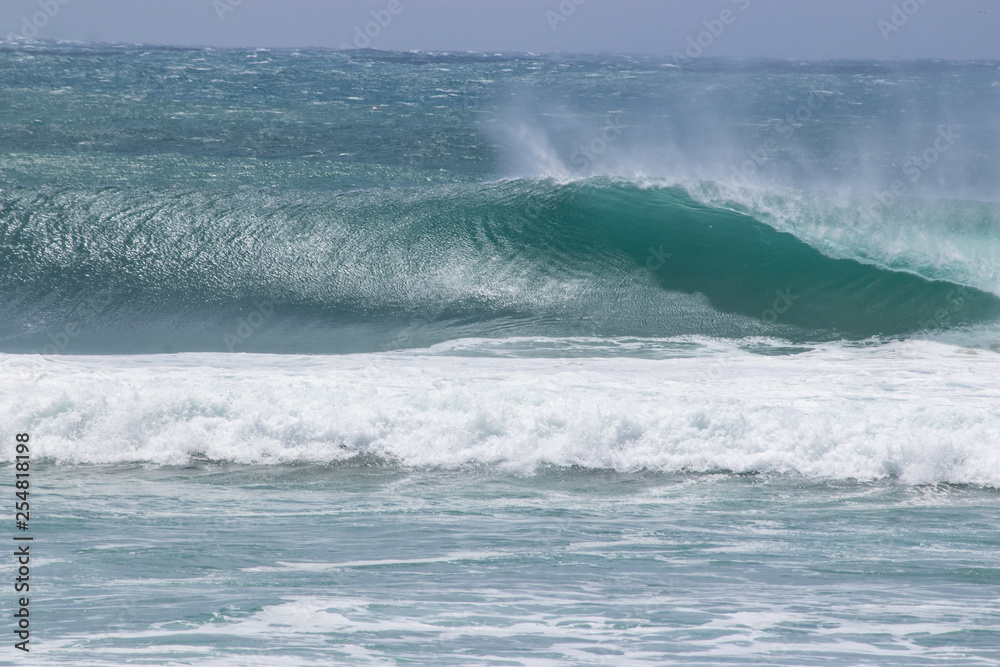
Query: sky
{"points": [[790, 29]]}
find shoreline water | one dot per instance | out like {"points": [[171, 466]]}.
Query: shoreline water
{"points": [[245, 565]]}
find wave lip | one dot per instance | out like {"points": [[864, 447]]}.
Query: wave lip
{"points": [[920, 412]]}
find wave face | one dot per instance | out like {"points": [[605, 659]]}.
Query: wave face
{"points": [[139, 271], [258, 201]]}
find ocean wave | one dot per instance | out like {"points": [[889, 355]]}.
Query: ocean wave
{"points": [[836, 412], [140, 270]]}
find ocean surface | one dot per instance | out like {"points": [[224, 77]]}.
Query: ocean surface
{"points": [[501, 359]]}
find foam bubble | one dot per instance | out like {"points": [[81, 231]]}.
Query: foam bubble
{"points": [[920, 411]]}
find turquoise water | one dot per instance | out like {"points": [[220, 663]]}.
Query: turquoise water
{"points": [[368, 201], [501, 359]]}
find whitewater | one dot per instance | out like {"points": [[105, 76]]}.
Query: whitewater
{"points": [[458, 358], [687, 406]]}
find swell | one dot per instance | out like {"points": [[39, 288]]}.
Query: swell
{"points": [[144, 270]]}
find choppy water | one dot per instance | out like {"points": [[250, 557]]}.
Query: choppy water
{"points": [[300, 565], [502, 359]]}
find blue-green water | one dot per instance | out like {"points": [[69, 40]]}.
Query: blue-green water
{"points": [[216, 564], [501, 359], [373, 201]]}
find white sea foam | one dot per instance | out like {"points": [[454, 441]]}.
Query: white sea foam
{"points": [[920, 411], [570, 629]]}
